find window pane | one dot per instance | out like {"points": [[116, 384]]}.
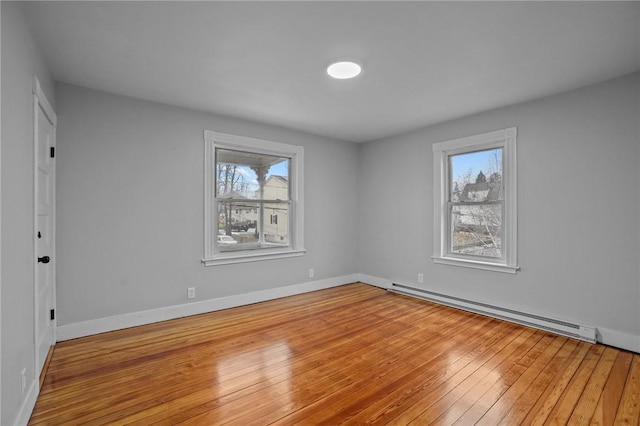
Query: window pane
{"points": [[477, 230], [247, 175], [476, 176], [276, 224], [241, 227], [237, 225]]}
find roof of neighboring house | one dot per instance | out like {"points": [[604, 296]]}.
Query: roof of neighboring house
{"points": [[284, 178], [276, 181], [471, 190]]}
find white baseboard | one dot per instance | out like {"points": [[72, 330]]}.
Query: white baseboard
{"points": [[117, 322], [28, 404], [375, 281], [605, 336], [619, 339], [101, 325]]}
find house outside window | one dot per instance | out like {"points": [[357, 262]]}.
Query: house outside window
{"points": [[253, 199], [475, 201]]}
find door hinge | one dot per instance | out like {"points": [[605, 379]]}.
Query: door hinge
{"points": [[52, 314], [52, 152]]}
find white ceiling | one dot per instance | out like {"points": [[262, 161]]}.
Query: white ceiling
{"points": [[424, 62]]}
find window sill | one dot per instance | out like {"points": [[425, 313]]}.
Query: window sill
{"points": [[476, 264], [230, 258]]}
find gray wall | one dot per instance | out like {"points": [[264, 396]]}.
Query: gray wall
{"points": [[130, 207], [21, 60], [578, 209]]}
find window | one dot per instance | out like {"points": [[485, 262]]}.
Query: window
{"points": [[253, 199], [475, 201]]}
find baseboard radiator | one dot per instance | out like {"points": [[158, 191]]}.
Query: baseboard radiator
{"points": [[564, 328]]}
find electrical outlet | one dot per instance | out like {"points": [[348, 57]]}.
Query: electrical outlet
{"points": [[420, 278], [191, 293], [311, 273], [23, 380]]}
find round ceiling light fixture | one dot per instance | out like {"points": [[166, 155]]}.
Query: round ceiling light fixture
{"points": [[343, 70]]}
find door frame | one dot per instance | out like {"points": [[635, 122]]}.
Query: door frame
{"points": [[40, 101]]}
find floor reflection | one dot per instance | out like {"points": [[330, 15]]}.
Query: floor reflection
{"points": [[266, 370]]}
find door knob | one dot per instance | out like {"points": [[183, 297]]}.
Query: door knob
{"points": [[44, 259]]}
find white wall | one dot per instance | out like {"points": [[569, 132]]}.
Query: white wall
{"points": [[578, 209], [130, 208], [21, 60]]}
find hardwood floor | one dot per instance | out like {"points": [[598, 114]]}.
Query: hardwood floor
{"points": [[353, 354]]}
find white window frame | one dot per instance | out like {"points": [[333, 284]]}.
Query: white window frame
{"points": [[215, 140], [505, 139]]}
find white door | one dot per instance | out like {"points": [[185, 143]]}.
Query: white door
{"points": [[44, 143]]}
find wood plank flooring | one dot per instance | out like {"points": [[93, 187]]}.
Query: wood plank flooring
{"points": [[348, 355]]}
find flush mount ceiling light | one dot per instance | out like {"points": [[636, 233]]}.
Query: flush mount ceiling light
{"points": [[344, 69]]}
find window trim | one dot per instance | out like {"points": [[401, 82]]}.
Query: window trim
{"points": [[505, 139], [214, 140]]}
